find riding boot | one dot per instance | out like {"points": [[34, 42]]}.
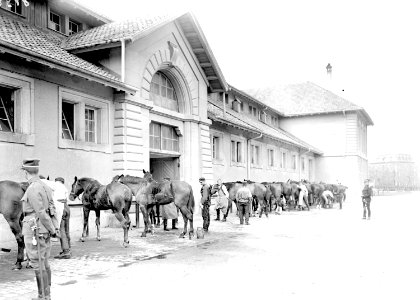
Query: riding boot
{"points": [[224, 218], [39, 285], [174, 224], [217, 215], [48, 286], [165, 225]]}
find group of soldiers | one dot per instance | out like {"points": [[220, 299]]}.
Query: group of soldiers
{"points": [[42, 222]]}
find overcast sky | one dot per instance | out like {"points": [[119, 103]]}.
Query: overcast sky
{"points": [[373, 47]]}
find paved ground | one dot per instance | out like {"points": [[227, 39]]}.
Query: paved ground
{"points": [[321, 254]]}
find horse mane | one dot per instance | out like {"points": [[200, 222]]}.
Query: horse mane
{"points": [[131, 179], [249, 181], [229, 185]]}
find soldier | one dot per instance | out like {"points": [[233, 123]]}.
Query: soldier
{"points": [[366, 198], [244, 199], [37, 226], [205, 203]]}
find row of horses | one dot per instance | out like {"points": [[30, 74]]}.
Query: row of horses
{"points": [[149, 193]]}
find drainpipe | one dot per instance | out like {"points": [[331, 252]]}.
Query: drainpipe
{"points": [[122, 60], [224, 104], [248, 151]]}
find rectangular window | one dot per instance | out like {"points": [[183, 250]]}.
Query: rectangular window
{"points": [[242, 106], [7, 109], [271, 157], [283, 159], [293, 162], [250, 109], [67, 120], [90, 125], [73, 27], [255, 155], [302, 163], [17, 9], [236, 151], [215, 147], [163, 137], [55, 21], [254, 111]]}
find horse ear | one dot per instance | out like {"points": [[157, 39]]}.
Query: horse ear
{"points": [[144, 171], [48, 177], [75, 178]]}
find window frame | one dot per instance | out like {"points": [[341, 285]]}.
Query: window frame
{"points": [[75, 23], [271, 161], [24, 108], [220, 159], [241, 141], [23, 13], [283, 159], [159, 97], [103, 121], [161, 138], [258, 164], [52, 25]]}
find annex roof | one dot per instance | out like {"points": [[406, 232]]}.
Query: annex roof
{"points": [[233, 118], [24, 39], [305, 99], [133, 29]]}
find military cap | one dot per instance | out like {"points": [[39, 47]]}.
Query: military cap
{"points": [[61, 179], [202, 179], [30, 164]]}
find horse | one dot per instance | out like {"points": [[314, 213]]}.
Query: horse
{"points": [[290, 192], [149, 193], [260, 196], [97, 197], [276, 193], [11, 208]]}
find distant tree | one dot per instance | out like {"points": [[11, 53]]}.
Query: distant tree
{"points": [[25, 2]]}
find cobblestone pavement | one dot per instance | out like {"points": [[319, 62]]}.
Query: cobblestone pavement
{"points": [[94, 259]]}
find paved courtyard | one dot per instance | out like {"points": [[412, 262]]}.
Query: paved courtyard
{"points": [[320, 254]]}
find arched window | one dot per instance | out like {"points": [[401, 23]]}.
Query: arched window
{"points": [[162, 92]]}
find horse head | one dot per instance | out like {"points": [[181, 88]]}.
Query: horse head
{"points": [[117, 178], [79, 186]]}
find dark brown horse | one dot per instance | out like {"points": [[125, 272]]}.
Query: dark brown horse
{"points": [[11, 207], [149, 193], [97, 197], [276, 194], [260, 194]]}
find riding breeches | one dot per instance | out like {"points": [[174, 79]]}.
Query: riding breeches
{"points": [[205, 212], [44, 240], [366, 207]]}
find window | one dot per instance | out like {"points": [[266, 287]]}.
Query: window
{"points": [[252, 110], [90, 124], [17, 9], [67, 120], [7, 109], [163, 137], [255, 154], [73, 27], [293, 161], [84, 122], [242, 106], [215, 146], [270, 157], [302, 163], [162, 92], [55, 21], [236, 151], [283, 159]]}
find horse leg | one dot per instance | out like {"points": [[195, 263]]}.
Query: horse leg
{"points": [[98, 224], [125, 224], [151, 224], [158, 215], [191, 233], [17, 232], [85, 233], [187, 215], [145, 219]]}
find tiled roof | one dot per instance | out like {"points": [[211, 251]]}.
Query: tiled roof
{"points": [[215, 113], [114, 32], [47, 46], [303, 99]]}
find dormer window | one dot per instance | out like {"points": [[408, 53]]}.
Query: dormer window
{"points": [[73, 27], [55, 21]]}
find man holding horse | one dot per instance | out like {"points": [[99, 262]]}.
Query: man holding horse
{"points": [[37, 226], [205, 203], [243, 198]]}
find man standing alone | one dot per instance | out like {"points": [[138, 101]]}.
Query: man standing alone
{"points": [[366, 198], [243, 198], [61, 194], [205, 203], [37, 226]]}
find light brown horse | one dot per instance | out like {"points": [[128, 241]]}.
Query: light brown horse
{"points": [[11, 208], [149, 193], [97, 197]]}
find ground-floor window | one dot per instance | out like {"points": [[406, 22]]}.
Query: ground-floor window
{"points": [[163, 137], [283, 159], [270, 157], [215, 146], [7, 109], [302, 163], [293, 162], [255, 155], [236, 151]]}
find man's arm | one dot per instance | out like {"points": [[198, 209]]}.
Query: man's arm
{"points": [[36, 200], [205, 195]]}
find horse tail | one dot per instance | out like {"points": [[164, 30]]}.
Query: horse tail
{"points": [[191, 202]]}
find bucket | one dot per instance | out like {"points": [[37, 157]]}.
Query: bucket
{"points": [[200, 233]]}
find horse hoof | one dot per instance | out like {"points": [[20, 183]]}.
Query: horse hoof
{"points": [[82, 239], [143, 234], [98, 239], [182, 235], [17, 267], [125, 244]]}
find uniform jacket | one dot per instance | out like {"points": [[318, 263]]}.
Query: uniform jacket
{"points": [[367, 192], [205, 194], [243, 194]]}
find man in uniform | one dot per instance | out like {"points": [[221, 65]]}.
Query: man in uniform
{"points": [[367, 194], [205, 203], [35, 204], [244, 199]]}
